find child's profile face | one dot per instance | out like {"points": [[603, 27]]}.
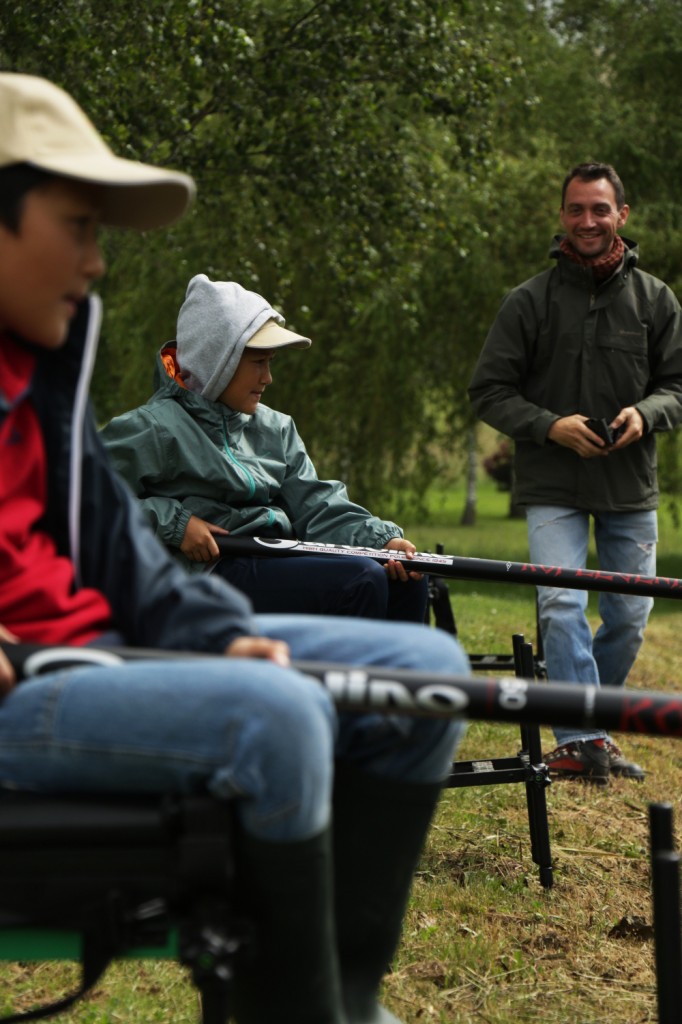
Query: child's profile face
{"points": [[47, 266], [250, 380]]}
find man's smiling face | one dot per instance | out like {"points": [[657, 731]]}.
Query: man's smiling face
{"points": [[590, 216]]}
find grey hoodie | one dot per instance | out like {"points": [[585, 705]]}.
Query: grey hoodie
{"points": [[215, 323]]}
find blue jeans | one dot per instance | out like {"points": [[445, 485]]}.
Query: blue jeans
{"points": [[240, 729], [325, 585], [625, 542]]}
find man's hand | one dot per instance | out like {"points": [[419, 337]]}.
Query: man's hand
{"points": [[573, 432], [633, 423], [396, 570], [260, 647], [7, 675], [198, 543]]}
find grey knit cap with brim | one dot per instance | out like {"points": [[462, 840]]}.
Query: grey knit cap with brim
{"points": [[217, 321]]}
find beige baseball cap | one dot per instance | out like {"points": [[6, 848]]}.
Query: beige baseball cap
{"points": [[43, 126], [272, 335]]}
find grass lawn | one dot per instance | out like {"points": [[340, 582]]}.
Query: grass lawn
{"points": [[483, 941]]}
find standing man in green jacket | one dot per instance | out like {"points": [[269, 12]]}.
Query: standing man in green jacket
{"points": [[582, 367]]}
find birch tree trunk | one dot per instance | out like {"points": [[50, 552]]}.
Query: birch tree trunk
{"points": [[469, 512]]}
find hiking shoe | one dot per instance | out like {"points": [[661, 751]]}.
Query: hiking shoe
{"points": [[584, 760], [619, 766]]}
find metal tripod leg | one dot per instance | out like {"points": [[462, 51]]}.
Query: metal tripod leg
{"points": [[539, 778], [665, 884], [209, 953], [526, 767]]}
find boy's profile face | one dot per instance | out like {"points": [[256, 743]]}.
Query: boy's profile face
{"points": [[48, 264], [250, 380]]}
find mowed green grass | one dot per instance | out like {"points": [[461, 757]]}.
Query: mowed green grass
{"points": [[484, 943]]}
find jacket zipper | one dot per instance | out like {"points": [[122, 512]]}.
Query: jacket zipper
{"points": [[77, 419], [249, 479]]}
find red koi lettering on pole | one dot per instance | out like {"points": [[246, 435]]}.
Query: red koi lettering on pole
{"points": [[645, 715]]}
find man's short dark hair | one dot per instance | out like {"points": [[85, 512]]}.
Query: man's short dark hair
{"points": [[15, 181], [592, 172]]}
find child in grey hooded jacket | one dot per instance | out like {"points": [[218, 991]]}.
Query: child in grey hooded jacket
{"points": [[206, 458]]}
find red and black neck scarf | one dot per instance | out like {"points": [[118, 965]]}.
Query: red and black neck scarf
{"points": [[603, 267]]}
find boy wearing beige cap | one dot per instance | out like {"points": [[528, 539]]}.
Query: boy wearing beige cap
{"points": [[206, 457], [80, 565]]}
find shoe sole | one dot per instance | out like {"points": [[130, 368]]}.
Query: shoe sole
{"points": [[565, 776], [633, 776]]}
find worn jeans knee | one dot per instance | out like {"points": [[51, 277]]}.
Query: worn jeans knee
{"points": [[241, 729], [397, 746]]}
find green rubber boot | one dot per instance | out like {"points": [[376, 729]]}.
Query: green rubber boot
{"points": [[379, 832], [290, 975]]}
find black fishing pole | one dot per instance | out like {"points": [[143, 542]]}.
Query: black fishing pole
{"points": [[414, 692], [465, 568]]}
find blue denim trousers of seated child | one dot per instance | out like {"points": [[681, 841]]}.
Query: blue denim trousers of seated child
{"points": [[242, 729]]}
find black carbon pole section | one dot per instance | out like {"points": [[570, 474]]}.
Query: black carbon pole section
{"points": [[463, 568], [414, 692]]}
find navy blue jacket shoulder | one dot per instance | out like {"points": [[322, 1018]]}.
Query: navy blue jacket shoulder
{"points": [[96, 521]]}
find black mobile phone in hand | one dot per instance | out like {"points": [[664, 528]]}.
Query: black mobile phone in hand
{"points": [[601, 428]]}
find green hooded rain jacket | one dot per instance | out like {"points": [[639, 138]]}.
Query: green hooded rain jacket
{"points": [[184, 455]]}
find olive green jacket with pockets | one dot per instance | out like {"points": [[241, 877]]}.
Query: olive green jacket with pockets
{"points": [[560, 346], [184, 455]]}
